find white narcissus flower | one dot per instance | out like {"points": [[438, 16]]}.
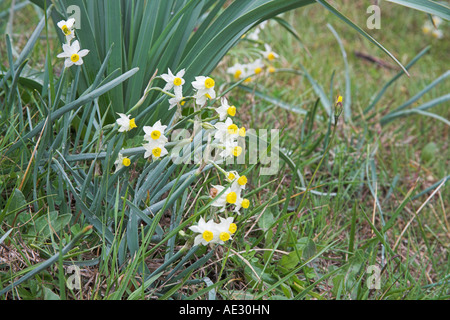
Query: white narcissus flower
{"points": [[73, 54], [231, 176], [226, 131], [206, 232], [263, 24], [227, 225], [122, 162], [228, 197], [205, 89], [241, 203], [437, 33], [254, 35], [239, 183], [225, 110], [201, 98], [230, 150], [436, 21], [125, 123], [223, 230], [67, 28], [155, 132], [256, 66], [155, 149], [427, 27], [268, 53], [238, 71], [177, 100], [174, 81]]}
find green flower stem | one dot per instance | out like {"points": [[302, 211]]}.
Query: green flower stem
{"points": [[147, 91]]}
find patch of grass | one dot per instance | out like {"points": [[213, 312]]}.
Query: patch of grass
{"points": [[374, 170]]}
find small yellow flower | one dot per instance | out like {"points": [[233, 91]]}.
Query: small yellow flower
{"points": [[232, 228], [245, 203]]}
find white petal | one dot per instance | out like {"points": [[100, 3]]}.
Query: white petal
{"points": [[180, 74], [68, 63], [79, 62], [168, 86], [63, 55], [195, 229], [75, 46], [166, 77], [70, 23], [178, 90], [83, 52], [198, 240]]}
